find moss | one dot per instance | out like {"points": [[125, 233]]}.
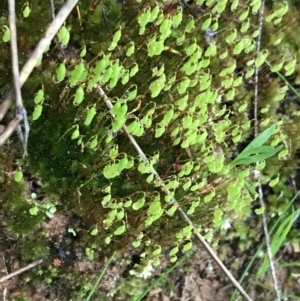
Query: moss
{"points": [[75, 171], [34, 248], [65, 167], [22, 223], [20, 298], [130, 289]]}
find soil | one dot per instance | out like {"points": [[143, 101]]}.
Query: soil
{"points": [[197, 278]]}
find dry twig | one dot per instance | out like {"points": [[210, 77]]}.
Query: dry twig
{"points": [[22, 270], [29, 66], [260, 191], [20, 110]]}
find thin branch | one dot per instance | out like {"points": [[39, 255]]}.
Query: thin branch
{"points": [[182, 213], [19, 80], [10, 128], [260, 190], [52, 9], [4, 263], [14, 52], [53, 17], [258, 42], [20, 111], [105, 21], [38, 52], [4, 293], [22, 270]]}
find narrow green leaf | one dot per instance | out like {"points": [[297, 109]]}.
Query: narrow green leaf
{"points": [[100, 276], [260, 139], [278, 240], [256, 158]]}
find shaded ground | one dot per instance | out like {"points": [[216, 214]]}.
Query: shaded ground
{"points": [[196, 279]]}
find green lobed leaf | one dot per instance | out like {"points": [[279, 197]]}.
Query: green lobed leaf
{"points": [[174, 251], [94, 231], [61, 72], [111, 171], [75, 134], [18, 176], [79, 95], [26, 11], [64, 35], [120, 230], [77, 73], [39, 97], [34, 210], [187, 246], [139, 203], [37, 112], [90, 116]]}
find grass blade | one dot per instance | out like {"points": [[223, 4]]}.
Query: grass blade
{"points": [[260, 139], [245, 273], [255, 158], [160, 278], [100, 277], [278, 240]]}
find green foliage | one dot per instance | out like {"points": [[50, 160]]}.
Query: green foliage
{"points": [[18, 176], [284, 218], [61, 72], [20, 221], [48, 207], [23, 222], [26, 11], [130, 289], [161, 278], [256, 151], [34, 248], [64, 35], [181, 91], [278, 240], [6, 35]]}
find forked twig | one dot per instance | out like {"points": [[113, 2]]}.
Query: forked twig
{"points": [[182, 213], [20, 110], [260, 190], [31, 63], [22, 270]]}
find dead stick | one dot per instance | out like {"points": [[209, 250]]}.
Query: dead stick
{"points": [[10, 129], [14, 52], [27, 267], [20, 110], [38, 52]]}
